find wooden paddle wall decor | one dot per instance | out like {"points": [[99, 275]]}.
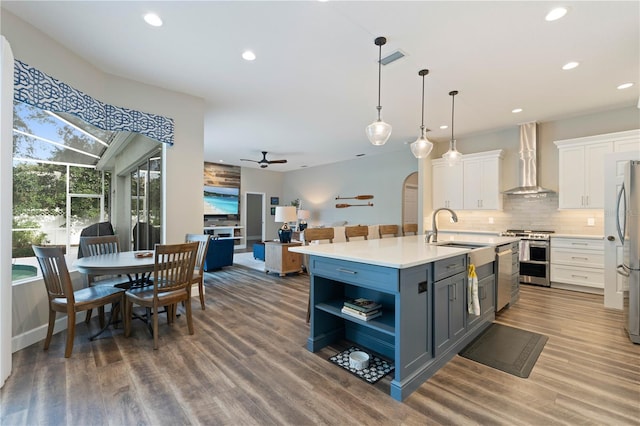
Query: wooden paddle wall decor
{"points": [[357, 197]]}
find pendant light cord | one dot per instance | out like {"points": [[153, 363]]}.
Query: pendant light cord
{"points": [[453, 100], [379, 107], [422, 122]]}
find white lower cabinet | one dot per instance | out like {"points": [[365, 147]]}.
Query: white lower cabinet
{"points": [[578, 261]]}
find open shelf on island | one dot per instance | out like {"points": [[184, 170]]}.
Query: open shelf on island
{"points": [[384, 323]]}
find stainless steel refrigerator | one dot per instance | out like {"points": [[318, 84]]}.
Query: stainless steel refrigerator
{"points": [[628, 221]]}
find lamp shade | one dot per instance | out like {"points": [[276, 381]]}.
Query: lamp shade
{"points": [[286, 214], [304, 214]]}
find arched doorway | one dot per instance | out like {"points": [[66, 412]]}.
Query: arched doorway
{"points": [[410, 199]]}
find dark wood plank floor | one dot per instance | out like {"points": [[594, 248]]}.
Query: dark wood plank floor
{"points": [[247, 364]]}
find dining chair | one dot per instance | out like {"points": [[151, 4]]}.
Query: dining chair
{"points": [[388, 230], [198, 272], [409, 229], [172, 278], [63, 298], [316, 234], [96, 245], [356, 231]]}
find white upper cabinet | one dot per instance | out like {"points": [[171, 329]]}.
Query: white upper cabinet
{"points": [[581, 167], [472, 184], [446, 185], [482, 183]]}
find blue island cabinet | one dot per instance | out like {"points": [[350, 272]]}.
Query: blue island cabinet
{"points": [[402, 334]]}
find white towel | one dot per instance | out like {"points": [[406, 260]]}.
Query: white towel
{"points": [[524, 251], [473, 303]]}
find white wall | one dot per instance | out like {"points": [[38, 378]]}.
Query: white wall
{"points": [[183, 162], [380, 175]]}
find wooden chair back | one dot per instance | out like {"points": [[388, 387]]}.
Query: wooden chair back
{"points": [[203, 247], [388, 230], [104, 244], [410, 229], [318, 234], [198, 273], [356, 231], [173, 268], [55, 273]]}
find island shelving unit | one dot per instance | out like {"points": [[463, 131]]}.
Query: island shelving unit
{"points": [[422, 290]]}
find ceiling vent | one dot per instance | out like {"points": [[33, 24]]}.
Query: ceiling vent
{"points": [[398, 54]]}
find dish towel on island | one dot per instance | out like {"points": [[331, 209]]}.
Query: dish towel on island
{"points": [[473, 303]]}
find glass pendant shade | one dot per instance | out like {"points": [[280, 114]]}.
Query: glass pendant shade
{"points": [[422, 147], [453, 156], [378, 132]]}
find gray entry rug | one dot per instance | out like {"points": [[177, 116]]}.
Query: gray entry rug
{"points": [[507, 349]]}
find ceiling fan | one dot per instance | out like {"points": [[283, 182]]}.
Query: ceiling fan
{"points": [[264, 162]]}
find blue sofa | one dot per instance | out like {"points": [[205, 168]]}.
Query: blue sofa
{"points": [[220, 254]]}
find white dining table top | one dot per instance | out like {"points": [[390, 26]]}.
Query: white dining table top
{"points": [[125, 262]]}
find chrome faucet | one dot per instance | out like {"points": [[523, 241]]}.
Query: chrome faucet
{"points": [[432, 236]]}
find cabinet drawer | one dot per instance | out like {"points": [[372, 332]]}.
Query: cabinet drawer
{"points": [[588, 277], [447, 267], [369, 276], [577, 243], [588, 258]]}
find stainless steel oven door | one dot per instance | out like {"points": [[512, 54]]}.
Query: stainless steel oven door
{"points": [[535, 268]]}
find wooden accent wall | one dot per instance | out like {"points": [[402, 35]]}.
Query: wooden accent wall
{"points": [[221, 175]]}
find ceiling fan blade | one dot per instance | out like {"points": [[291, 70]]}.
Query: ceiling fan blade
{"points": [[246, 159], [277, 161]]}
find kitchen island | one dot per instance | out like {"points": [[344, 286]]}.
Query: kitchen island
{"points": [[422, 289]]}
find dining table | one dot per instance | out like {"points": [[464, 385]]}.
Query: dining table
{"points": [[137, 265]]}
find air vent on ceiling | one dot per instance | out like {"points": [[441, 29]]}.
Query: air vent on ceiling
{"points": [[398, 54]]}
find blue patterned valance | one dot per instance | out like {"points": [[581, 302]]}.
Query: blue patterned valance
{"points": [[35, 88]]}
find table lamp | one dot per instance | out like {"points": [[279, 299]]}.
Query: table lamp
{"points": [[285, 214], [303, 215]]}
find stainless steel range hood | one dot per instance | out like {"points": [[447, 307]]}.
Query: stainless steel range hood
{"points": [[528, 173]]}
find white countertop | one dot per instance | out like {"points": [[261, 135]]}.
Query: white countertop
{"points": [[401, 252]]}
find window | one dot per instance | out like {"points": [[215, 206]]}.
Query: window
{"points": [[57, 190]]}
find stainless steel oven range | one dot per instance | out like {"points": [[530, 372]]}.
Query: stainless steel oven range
{"points": [[534, 255]]}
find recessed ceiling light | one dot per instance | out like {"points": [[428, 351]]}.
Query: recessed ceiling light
{"points": [[517, 110], [153, 20], [570, 65], [444, 126], [248, 55], [625, 86], [556, 14]]}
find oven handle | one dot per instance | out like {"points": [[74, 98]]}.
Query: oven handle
{"points": [[535, 243]]}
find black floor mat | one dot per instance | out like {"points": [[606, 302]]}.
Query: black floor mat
{"points": [[508, 349], [378, 367]]}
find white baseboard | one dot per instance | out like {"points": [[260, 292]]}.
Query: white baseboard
{"points": [[38, 334]]}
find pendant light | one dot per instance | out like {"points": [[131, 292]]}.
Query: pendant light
{"points": [[422, 147], [452, 156], [378, 132]]}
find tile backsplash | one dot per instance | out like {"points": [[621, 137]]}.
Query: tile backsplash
{"points": [[526, 212]]}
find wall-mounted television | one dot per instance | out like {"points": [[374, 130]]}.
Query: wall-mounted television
{"points": [[221, 201]]}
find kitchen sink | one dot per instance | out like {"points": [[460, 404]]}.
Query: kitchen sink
{"points": [[480, 254]]}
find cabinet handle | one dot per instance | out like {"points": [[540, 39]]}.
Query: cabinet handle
{"points": [[579, 276], [587, 198], [347, 271], [579, 244], [578, 257], [582, 200], [452, 265], [454, 291]]}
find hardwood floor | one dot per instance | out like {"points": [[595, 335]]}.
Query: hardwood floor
{"points": [[247, 364]]}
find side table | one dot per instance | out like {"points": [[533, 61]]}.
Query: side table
{"points": [[279, 259]]}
